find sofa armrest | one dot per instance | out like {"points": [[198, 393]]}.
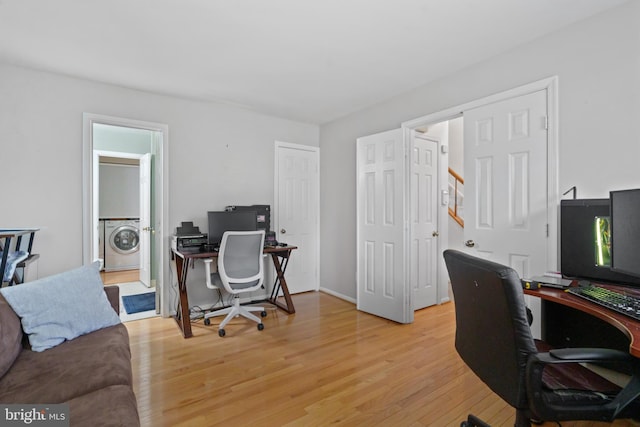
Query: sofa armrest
{"points": [[113, 294]]}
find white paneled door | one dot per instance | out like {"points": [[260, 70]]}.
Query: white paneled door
{"points": [[424, 222], [145, 220], [505, 162], [382, 279], [297, 203]]}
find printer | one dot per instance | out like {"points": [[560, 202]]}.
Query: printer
{"points": [[188, 239]]}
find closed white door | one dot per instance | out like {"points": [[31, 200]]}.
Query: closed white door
{"points": [[145, 219], [382, 279], [505, 145], [424, 222], [296, 219]]}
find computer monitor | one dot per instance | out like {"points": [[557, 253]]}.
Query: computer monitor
{"points": [[221, 221], [263, 214], [625, 231], [585, 250]]}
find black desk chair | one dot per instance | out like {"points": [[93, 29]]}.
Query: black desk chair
{"points": [[494, 339]]}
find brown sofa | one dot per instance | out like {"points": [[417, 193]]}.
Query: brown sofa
{"points": [[91, 373]]}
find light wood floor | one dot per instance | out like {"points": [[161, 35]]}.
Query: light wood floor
{"points": [[124, 276], [326, 364]]}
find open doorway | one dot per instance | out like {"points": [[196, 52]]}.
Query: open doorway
{"points": [[454, 129], [118, 197], [401, 221], [116, 150], [509, 152]]}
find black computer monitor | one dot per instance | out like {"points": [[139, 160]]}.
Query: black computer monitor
{"points": [[221, 221], [625, 231], [585, 242]]}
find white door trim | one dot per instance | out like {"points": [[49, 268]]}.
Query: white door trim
{"points": [[553, 195], [161, 170], [276, 195]]}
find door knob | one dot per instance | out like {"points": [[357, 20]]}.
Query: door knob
{"points": [[435, 234], [283, 231], [470, 243]]}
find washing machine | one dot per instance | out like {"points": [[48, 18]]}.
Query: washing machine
{"points": [[122, 244]]}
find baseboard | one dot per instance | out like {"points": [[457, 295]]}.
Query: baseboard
{"points": [[338, 295], [354, 301]]}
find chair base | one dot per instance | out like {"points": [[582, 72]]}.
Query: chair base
{"points": [[234, 311], [472, 421]]}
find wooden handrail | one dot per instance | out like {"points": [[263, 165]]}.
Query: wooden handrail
{"points": [[456, 176], [454, 212], [456, 218]]}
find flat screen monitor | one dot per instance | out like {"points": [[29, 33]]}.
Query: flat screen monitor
{"points": [[221, 221], [625, 231], [263, 214], [585, 242]]}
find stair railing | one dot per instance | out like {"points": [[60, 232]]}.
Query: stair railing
{"points": [[456, 183]]}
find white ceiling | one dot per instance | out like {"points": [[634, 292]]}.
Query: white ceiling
{"points": [[313, 60]]}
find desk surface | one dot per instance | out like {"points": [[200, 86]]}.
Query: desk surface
{"points": [[15, 232], [627, 325], [200, 255]]}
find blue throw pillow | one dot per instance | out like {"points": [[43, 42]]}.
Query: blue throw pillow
{"points": [[62, 307]]}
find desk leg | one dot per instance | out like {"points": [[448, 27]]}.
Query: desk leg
{"points": [[182, 316], [281, 283], [5, 256]]}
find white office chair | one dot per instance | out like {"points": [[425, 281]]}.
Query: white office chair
{"points": [[240, 270]]}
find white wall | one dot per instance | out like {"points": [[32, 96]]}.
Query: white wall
{"points": [[218, 155], [597, 62], [119, 192], [456, 140]]}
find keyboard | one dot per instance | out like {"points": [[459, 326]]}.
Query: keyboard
{"points": [[624, 304]]}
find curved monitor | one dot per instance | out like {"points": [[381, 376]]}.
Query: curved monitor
{"points": [[585, 242], [625, 231]]}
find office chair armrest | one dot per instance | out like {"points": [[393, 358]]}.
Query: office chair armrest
{"points": [[207, 273], [590, 355], [607, 410]]}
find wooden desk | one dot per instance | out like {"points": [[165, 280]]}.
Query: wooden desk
{"points": [[628, 326], [280, 257], [7, 234]]}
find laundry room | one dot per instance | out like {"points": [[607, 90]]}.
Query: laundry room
{"points": [[120, 214], [120, 154]]}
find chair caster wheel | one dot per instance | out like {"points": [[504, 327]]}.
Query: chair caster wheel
{"points": [[263, 314], [207, 322], [221, 332], [260, 326]]}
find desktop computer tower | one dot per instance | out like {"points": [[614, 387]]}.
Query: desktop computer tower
{"points": [[263, 213]]}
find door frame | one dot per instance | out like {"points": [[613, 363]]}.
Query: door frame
{"points": [[549, 84], [160, 150], [276, 195]]}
